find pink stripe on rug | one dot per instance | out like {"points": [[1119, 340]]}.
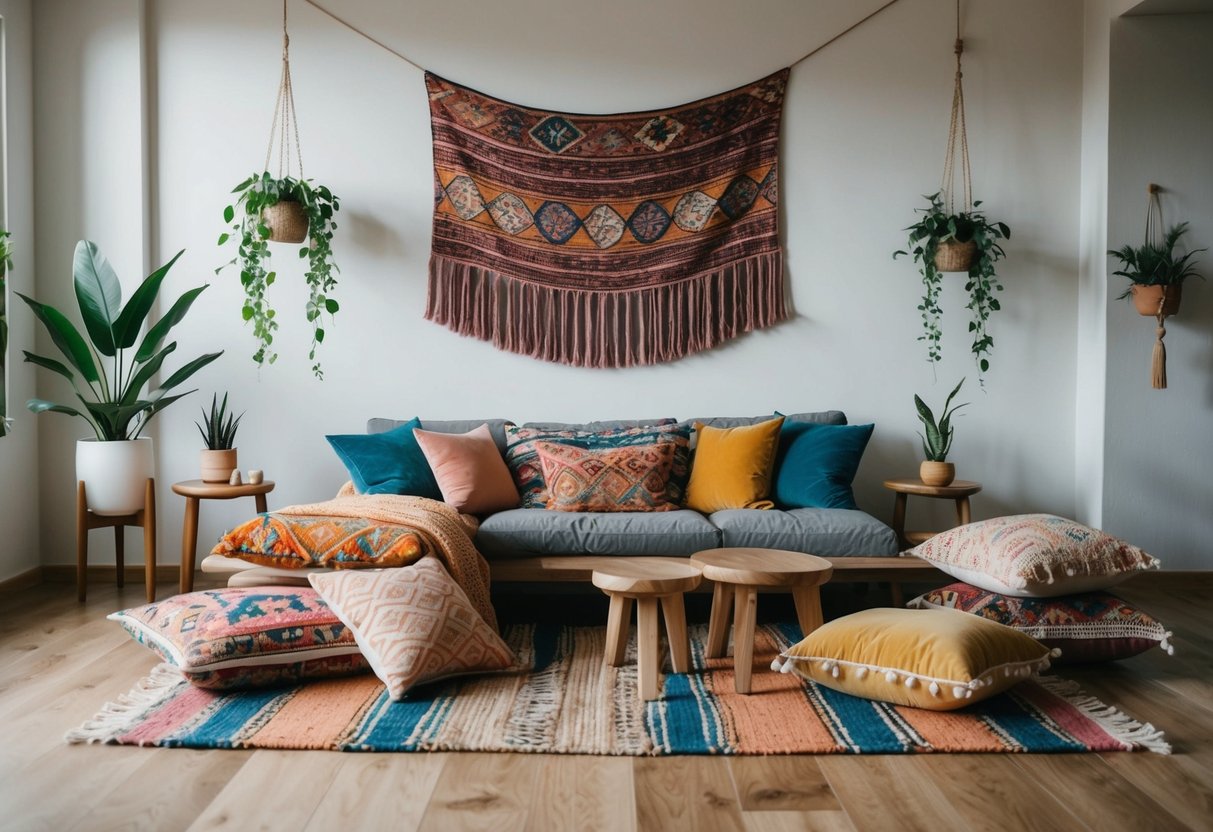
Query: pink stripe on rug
{"points": [[176, 712]]}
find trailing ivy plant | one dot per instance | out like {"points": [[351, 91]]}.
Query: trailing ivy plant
{"points": [[320, 205], [939, 225]]}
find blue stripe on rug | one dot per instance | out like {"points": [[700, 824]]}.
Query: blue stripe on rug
{"points": [[227, 721], [391, 724], [690, 725], [1021, 722], [865, 731]]}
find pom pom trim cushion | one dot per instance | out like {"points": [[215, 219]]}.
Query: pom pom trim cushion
{"points": [[1033, 556], [933, 659]]}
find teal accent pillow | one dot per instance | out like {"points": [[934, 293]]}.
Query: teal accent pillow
{"points": [[387, 463], [816, 463]]}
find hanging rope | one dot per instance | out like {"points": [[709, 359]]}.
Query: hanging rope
{"points": [[957, 134], [1154, 237], [284, 123]]}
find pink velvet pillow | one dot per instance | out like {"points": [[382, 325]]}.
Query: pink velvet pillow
{"points": [[471, 474]]}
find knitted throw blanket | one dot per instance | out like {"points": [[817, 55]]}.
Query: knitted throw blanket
{"points": [[606, 240], [442, 528]]}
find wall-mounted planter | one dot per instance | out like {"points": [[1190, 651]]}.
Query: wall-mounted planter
{"points": [[1148, 299]]}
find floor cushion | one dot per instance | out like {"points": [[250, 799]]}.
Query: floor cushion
{"points": [[529, 532], [832, 532]]}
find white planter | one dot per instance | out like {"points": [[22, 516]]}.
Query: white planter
{"points": [[115, 474]]}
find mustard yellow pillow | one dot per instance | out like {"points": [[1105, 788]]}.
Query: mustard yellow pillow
{"points": [[732, 466], [935, 659]]}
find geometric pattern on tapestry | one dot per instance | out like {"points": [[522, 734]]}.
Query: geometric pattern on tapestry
{"points": [[414, 624], [298, 541], [606, 240], [607, 479]]}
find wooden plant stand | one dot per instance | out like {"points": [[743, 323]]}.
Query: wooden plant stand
{"points": [[145, 518]]}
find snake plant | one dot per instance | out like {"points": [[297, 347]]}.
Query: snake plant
{"points": [[937, 440]]}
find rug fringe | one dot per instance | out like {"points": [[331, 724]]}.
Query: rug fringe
{"points": [[1120, 726], [117, 718]]}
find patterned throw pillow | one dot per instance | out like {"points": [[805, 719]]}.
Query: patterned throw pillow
{"points": [[414, 624], [606, 479], [1033, 556], [1093, 627], [299, 541], [939, 660], [242, 638]]}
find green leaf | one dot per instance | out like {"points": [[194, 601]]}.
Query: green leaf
{"points": [[331, 305], [229, 213], [159, 331], [43, 406], [135, 386], [126, 328], [50, 364], [99, 295], [188, 370], [66, 337], [223, 238]]}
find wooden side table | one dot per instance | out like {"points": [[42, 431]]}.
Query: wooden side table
{"points": [[196, 490], [145, 517], [960, 491], [738, 574]]}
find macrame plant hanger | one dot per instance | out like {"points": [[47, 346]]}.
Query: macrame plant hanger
{"points": [[953, 256], [1154, 237], [286, 219]]}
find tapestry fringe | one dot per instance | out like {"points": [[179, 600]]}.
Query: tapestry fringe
{"points": [[625, 328], [117, 718], [1122, 727]]}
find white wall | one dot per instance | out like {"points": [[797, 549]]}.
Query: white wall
{"points": [[1159, 443], [864, 132], [19, 450]]}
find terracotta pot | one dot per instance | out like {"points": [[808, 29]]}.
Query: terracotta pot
{"points": [[217, 466], [115, 474], [936, 473], [287, 221], [952, 256], [1147, 298]]}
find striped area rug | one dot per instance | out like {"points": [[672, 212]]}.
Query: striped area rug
{"points": [[571, 702]]}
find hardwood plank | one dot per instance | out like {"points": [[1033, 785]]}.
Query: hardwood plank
{"points": [[582, 792], [988, 791], [883, 792], [482, 791], [685, 793], [275, 790], [797, 822], [370, 788], [793, 784]]}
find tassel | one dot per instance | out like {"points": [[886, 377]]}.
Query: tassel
{"points": [[776, 664], [1158, 364], [890, 677]]}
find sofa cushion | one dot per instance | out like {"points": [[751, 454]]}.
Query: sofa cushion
{"points": [[732, 467], [828, 532], [528, 532], [496, 427]]}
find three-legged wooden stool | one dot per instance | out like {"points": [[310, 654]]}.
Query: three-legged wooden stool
{"points": [[648, 583], [738, 574], [145, 517]]}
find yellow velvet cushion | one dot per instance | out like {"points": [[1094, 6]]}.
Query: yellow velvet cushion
{"points": [[935, 659], [732, 466]]}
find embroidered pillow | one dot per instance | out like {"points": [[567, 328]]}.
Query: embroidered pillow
{"points": [[732, 466], [631, 478], [414, 624], [387, 463], [1092, 627], [679, 435], [299, 541], [523, 461], [469, 469], [1033, 556], [241, 638], [939, 660], [816, 464]]}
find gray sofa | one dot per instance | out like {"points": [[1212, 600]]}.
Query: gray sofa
{"points": [[530, 532]]}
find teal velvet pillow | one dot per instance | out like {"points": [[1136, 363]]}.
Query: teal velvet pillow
{"points": [[816, 463], [387, 463]]}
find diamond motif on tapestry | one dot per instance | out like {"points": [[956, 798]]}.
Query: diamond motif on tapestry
{"points": [[471, 113], [769, 190], [738, 197], [693, 211], [465, 197], [605, 226], [659, 131], [556, 222], [509, 126], [439, 193], [556, 134], [648, 222], [510, 213]]}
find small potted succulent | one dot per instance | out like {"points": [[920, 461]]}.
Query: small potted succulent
{"points": [[937, 440], [1155, 273], [966, 241], [218, 429], [288, 210]]}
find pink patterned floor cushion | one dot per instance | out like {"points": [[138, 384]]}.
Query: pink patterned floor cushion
{"points": [[607, 479], [1033, 556], [246, 637], [414, 624], [1091, 627]]}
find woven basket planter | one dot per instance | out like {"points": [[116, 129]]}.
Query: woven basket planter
{"points": [[1147, 299], [953, 256], [287, 222]]}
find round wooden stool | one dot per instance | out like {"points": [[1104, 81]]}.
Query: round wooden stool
{"points": [[738, 574], [647, 583]]}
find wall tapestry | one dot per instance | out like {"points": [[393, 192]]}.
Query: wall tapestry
{"points": [[606, 240]]}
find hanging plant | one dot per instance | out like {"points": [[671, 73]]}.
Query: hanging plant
{"points": [[283, 209], [949, 240]]}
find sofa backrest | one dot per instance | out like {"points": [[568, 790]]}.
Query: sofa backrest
{"points": [[496, 427], [821, 417]]}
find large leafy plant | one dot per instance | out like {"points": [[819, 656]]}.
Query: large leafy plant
{"points": [[108, 372], [1155, 264], [248, 227], [939, 225], [937, 436]]}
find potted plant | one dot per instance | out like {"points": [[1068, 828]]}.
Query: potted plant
{"points": [[116, 463], [218, 430], [937, 440], [1155, 273], [967, 241], [282, 209], [6, 263]]}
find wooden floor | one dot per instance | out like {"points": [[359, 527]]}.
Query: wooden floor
{"points": [[59, 661]]}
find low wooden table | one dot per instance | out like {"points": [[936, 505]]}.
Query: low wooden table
{"points": [[960, 491], [196, 490], [738, 574], [647, 584]]}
